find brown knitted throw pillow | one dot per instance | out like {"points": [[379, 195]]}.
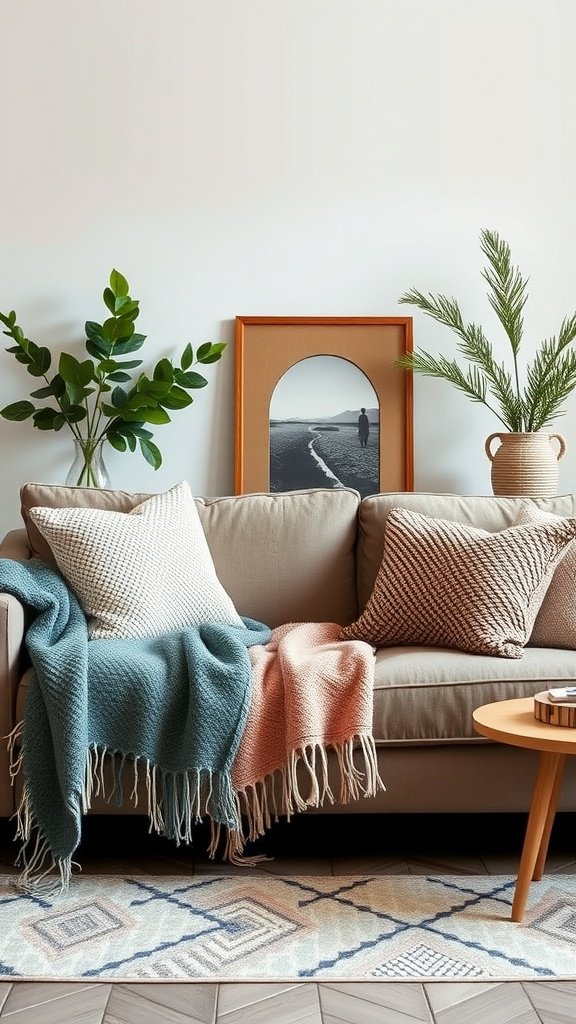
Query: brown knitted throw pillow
{"points": [[446, 584]]}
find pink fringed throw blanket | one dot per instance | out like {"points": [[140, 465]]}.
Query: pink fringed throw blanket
{"points": [[310, 692]]}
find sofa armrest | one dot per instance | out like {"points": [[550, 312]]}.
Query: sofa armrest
{"points": [[15, 545], [11, 640]]}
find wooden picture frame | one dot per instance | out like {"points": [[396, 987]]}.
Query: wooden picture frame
{"points": [[267, 350]]}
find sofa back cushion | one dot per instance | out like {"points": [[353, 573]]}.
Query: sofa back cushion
{"points": [[287, 557], [483, 511], [555, 624]]}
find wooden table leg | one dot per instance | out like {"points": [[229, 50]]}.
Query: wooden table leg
{"points": [[538, 819], [542, 852]]}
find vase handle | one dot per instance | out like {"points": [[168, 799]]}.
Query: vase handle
{"points": [[562, 442], [487, 448]]}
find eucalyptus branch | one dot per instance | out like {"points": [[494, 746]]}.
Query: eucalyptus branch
{"points": [[439, 307], [550, 351], [476, 348], [551, 377], [553, 391], [507, 294], [473, 384]]}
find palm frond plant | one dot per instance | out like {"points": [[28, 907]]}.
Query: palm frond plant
{"points": [[523, 402], [98, 398]]}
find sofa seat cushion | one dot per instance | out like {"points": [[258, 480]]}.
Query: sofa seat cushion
{"points": [[427, 694]]}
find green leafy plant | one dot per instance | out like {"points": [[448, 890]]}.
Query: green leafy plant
{"points": [[97, 398], [548, 380]]}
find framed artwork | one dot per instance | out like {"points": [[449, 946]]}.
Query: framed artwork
{"points": [[319, 403]]}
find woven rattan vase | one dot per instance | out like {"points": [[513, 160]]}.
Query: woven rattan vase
{"points": [[525, 464]]}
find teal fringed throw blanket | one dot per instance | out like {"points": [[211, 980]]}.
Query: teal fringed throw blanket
{"points": [[175, 704]]}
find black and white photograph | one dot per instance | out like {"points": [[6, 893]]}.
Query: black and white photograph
{"points": [[324, 427]]}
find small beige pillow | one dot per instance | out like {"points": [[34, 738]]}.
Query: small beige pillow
{"points": [[446, 584], [555, 624], [138, 573]]}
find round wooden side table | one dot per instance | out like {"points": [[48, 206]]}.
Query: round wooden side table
{"points": [[513, 722]]}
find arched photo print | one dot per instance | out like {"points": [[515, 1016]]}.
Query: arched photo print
{"points": [[324, 427], [320, 403]]}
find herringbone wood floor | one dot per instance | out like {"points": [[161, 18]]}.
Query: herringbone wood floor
{"points": [[412, 844]]}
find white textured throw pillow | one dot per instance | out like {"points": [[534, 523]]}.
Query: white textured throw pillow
{"points": [[555, 624], [138, 573]]}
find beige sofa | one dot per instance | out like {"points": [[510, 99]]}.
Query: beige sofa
{"points": [[314, 555]]}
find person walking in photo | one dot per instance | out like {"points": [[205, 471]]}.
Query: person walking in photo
{"points": [[363, 428]]}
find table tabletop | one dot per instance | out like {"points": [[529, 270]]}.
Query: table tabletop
{"points": [[513, 722]]}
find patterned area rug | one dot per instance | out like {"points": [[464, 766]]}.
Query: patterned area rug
{"points": [[261, 927]]}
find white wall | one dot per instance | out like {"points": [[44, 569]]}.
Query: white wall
{"points": [[265, 157]]}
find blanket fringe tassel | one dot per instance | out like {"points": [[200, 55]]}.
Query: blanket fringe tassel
{"points": [[258, 803], [179, 800], [176, 801], [42, 874]]}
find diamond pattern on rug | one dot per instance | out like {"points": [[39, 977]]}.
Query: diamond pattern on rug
{"points": [[555, 915], [57, 931], [228, 928], [424, 962], [247, 925], [77, 925]]}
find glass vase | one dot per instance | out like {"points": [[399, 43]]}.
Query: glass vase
{"points": [[88, 468]]}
